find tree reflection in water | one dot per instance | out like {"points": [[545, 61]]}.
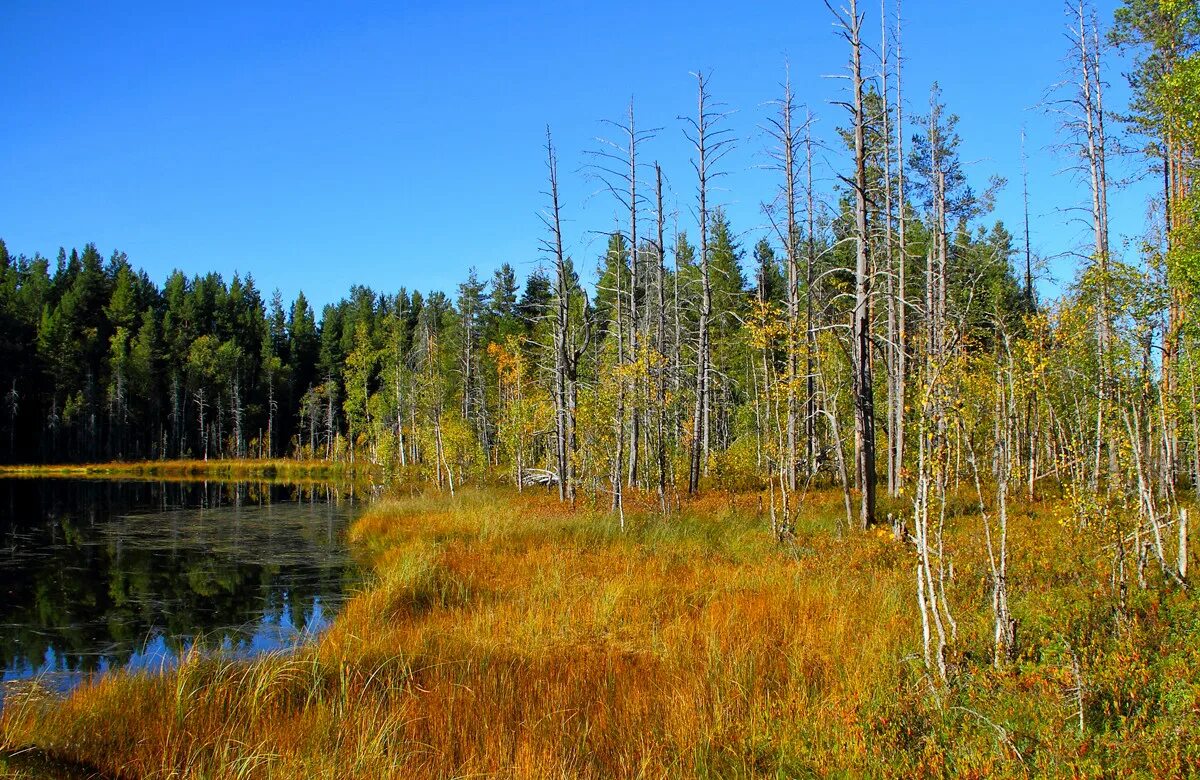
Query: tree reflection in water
{"points": [[97, 575]]}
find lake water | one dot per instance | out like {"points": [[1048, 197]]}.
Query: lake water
{"points": [[96, 575]]}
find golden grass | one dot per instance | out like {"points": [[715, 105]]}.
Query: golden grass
{"points": [[505, 636]]}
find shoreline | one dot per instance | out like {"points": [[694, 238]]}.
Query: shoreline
{"points": [[282, 470]]}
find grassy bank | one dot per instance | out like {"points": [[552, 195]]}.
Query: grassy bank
{"points": [[187, 470], [504, 636]]}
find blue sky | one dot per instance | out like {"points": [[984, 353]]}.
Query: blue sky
{"points": [[318, 145]]}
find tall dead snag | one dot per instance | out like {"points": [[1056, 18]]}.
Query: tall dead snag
{"points": [[565, 359], [1091, 103], [1029, 299], [618, 494], [862, 387], [615, 164], [660, 338], [1031, 418], [895, 259], [635, 280], [938, 257], [711, 143], [810, 278], [783, 130], [901, 379], [889, 257], [1082, 109]]}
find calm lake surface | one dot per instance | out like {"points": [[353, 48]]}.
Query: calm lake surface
{"points": [[100, 575]]}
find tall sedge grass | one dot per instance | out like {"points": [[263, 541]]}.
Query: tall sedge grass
{"points": [[505, 636]]}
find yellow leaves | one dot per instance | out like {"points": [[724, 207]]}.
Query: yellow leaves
{"points": [[647, 361], [510, 361], [738, 467], [764, 325]]}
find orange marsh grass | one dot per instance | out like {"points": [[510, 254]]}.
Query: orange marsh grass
{"points": [[505, 636]]}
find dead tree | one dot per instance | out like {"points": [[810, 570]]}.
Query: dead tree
{"points": [[615, 164], [661, 341], [710, 143], [1031, 422], [1081, 107], [810, 278], [786, 135], [862, 389], [894, 420], [888, 254], [901, 346], [1091, 102], [565, 360]]}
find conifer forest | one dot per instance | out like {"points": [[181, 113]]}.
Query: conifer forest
{"points": [[848, 492]]}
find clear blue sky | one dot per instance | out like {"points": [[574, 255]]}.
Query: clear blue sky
{"points": [[317, 145]]}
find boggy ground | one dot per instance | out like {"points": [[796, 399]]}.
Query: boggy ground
{"points": [[504, 635]]}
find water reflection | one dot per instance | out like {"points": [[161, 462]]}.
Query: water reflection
{"points": [[97, 575]]}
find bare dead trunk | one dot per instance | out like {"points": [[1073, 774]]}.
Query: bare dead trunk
{"points": [[863, 388], [563, 375], [699, 451]]}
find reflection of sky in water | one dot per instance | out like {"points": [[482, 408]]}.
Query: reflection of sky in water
{"points": [[96, 576], [275, 631]]}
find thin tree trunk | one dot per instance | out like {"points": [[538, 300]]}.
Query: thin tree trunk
{"points": [[634, 282], [902, 306], [661, 433], [863, 388], [786, 136], [699, 451], [810, 330], [892, 349], [563, 410]]}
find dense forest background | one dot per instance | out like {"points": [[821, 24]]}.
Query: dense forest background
{"points": [[887, 328], [99, 362]]}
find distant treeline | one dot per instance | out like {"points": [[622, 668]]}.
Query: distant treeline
{"points": [[99, 362]]}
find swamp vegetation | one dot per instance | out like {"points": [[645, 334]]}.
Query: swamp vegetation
{"points": [[867, 502], [501, 634]]}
